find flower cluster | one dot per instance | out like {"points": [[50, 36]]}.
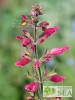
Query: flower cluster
{"points": [[30, 55]]}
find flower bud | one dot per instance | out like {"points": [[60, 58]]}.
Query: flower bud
{"points": [[57, 51], [22, 62], [32, 87], [57, 78], [37, 63]]}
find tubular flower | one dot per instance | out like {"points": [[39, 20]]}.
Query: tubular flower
{"points": [[26, 18], [44, 24], [57, 78], [20, 37], [47, 33], [50, 31], [32, 87], [27, 34], [58, 51], [24, 61], [37, 63], [25, 41]]}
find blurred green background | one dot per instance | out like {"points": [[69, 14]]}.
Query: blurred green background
{"points": [[57, 12]]}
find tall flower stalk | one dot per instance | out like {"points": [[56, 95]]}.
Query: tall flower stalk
{"points": [[35, 88]]}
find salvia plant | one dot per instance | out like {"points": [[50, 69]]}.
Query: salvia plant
{"points": [[35, 88]]}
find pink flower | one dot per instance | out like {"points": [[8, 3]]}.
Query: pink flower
{"points": [[37, 63], [47, 33], [22, 62], [44, 24], [20, 37], [57, 78], [33, 13], [25, 41], [48, 58], [32, 87], [26, 18], [50, 31], [27, 34], [57, 51], [42, 39]]}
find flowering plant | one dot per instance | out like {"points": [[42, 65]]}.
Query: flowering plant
{"points": [[35, 88]]}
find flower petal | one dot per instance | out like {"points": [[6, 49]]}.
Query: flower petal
{"points": [[57, 51], [19, 37], [26, 42], [37, 63], [57, 78], [26, 18], [22, 62]]}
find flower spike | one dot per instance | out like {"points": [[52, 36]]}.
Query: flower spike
{"points": [[30, 42]]}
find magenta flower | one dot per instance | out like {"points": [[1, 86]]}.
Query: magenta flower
{"points": [[37, 63], [32, 87], [57, 78], [47, 33], [44, 24], [58, 51], [26, 18], [20, 37], [24, 61], [48, 58], [42, 39], [27, 34], [25, 41]]}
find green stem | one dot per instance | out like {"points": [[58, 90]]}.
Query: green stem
{"points": [[35, 41], [41, 83], [37, 57]]}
